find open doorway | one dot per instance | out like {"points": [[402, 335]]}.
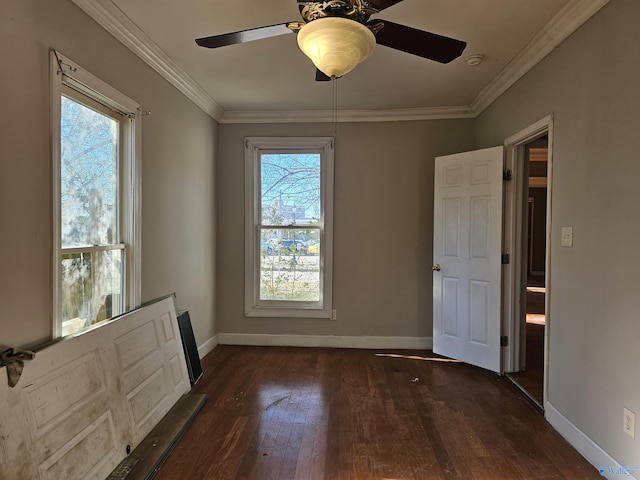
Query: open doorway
{"points": [[527, 274], [530, 377]]}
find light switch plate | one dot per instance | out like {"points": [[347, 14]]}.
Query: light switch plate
{"points": [[567, 237], [629, 425]]}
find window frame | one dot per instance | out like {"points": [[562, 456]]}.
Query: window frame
{"points": [[67, 73], [254, 147]]}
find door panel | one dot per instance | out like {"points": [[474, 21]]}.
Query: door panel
{"points": [[451, 227], [467, 257]]}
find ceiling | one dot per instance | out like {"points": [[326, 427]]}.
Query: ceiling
{"points": [[272, 80]]}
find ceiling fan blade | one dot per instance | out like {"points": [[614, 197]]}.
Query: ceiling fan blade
{"points": [[321, 76], [242, 36], [382, 4], [417, 42]]}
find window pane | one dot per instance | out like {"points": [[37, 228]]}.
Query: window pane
{"points": [[91, 286], [290, 188], [288, 271], [89, 176]]}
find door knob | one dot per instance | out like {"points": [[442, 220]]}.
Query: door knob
{"points": [[436, 268]]}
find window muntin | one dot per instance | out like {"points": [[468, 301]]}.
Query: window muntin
{"points": [[290, 211], [95, 196]]}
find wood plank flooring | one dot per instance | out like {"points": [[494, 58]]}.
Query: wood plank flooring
{"points": [[316, 413]]}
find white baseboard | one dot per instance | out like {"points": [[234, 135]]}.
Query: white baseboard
{"points": [[605, 463], [333, 341], [207, 346]]}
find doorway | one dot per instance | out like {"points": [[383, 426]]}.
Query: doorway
{"points": [[526, 277], [467, 323], [530, 377]]}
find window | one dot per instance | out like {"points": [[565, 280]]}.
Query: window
{"points": [[289, 223], [96, 225]]}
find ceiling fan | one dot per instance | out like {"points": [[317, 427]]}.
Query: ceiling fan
{"points": [[338, 34]]}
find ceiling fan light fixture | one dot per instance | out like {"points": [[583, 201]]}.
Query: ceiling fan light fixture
{"points": [[336, 45]]}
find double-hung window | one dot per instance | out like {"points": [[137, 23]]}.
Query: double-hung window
{"points": [[96, 193], [288, 229]]}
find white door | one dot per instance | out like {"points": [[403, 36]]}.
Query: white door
{"points": [[467, 242]]}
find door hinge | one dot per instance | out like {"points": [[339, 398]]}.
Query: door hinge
{"points": [[504, 341], [506, 175], [506, 259]]}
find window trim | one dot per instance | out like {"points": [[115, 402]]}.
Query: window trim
{"points": [[253, 147], [64, 71]]}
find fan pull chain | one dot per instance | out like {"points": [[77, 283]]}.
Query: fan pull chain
{"points": [[334, 106]]}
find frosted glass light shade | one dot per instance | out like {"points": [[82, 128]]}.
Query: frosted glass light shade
{"points": [[336, 45]]}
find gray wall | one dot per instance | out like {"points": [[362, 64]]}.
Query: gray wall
{"points": [[590, 85], [383, 216], [178, 144]]}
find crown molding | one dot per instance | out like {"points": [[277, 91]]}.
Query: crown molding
{"points": [[112, 19], [344, 116], [567, 21]]}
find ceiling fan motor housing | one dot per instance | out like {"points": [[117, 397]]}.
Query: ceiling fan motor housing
{"points": [[357, 10]]}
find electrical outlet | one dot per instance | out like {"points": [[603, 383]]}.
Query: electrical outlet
{"points": [[629, 425]]}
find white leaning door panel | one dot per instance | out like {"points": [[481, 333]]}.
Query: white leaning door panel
{"points": [[82, 400], [61, 420], [151, 365], [467, 242]]}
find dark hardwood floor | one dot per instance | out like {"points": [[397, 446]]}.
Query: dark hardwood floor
{"points": [[316, 413]]}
